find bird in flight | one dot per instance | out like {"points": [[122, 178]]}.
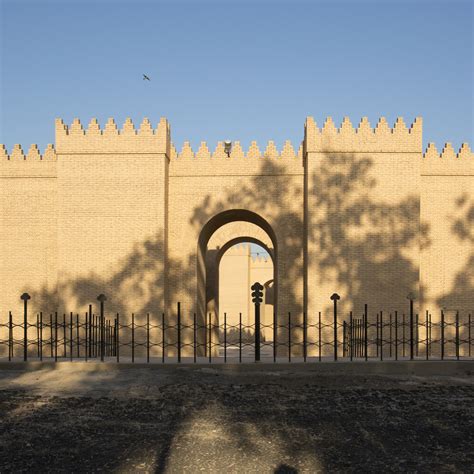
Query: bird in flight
{"points": [[146, 78]]}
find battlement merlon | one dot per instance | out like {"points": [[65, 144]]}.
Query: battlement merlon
{"points": [[364, 138], [448, 162], [17, 163], [74, 139]]}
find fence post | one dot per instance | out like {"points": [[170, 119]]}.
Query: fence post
{"points": [[351, 337], [117, 337], [179, 332], [25, 297], [148, 337], [257, 298], [335, 297], [442, 335], [101, 298], [289, 337], [305, 331], [396, 335], [10, 336], [225, 337], [381, 335], [275, 336], [411, 298], [365, 332], [194, 337], [240, 337], [457, 335]]}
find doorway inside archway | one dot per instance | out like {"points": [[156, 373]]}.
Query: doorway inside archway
{"points": [[240, 266]]}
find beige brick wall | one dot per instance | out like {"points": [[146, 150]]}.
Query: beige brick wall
{"points": [[121, 212], [363, 215]]}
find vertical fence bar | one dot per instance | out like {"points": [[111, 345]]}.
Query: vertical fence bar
{"points": [[377, 340], [37, 335], [90, 330], [10, 336], [289, 337], [55, 336], [390, 334], [335, 297], [78, 341], [457, 335], [305, 336], [417, 334], [102, 298], [179, 331], [319, 336], [442, 335], [240, 337], [194, 337], [70, 337], [86, 344], [366, 329], [469, 333], [344, 338], [117, 337], [163, 339], [381, 335], [275, 336], [225, 337], [411, 328], [403, 336], [351, 337], [427, 340], [210, 339], [41, 335], [25, 297], [64, 336], [148, 337], [396, 335], [133, 337]]}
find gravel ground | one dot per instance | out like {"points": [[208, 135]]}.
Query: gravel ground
{"points": [[208, 420]]}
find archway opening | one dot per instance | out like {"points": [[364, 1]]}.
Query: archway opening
{"points": [[219, 234]]}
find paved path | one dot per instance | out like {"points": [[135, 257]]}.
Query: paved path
{"points": [[211, 419]]}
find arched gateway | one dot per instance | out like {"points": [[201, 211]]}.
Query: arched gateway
{"points": [[358, 211]]}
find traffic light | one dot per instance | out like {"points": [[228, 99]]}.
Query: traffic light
{"points": [[257, 293]]}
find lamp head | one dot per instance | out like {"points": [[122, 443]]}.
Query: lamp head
{"points": [[227, 147]]}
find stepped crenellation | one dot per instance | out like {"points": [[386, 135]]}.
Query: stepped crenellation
{"points": [[364, 138], [237, 152], [94, 140], [33, 154], [448, 162]]}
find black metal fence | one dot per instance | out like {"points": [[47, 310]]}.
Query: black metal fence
{"points": [[380, 336]]}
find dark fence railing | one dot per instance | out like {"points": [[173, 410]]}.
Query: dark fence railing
{"points": [[381, 336]]}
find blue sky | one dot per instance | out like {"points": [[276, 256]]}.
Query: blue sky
{"points": [[246, 70]]}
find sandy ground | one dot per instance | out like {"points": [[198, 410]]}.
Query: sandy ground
{"points": [[207, 419]]}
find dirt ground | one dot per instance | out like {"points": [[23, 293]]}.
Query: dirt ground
{"points": [[206, 419]]}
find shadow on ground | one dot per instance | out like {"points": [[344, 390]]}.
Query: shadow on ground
{"points": [[190, 420]]}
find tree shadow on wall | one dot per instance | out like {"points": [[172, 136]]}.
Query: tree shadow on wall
{"points": [[461, 295], [363, 243], [135, 284]]}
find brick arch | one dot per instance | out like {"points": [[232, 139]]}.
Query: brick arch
{"points": [[207, 257]]}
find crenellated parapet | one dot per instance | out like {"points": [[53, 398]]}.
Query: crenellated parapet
{"points": [[204, 161], [33, 163], [75, 139], [364, 139], [448, 162]]}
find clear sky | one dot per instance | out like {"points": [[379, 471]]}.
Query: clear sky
{"points": [[244, 70]]}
